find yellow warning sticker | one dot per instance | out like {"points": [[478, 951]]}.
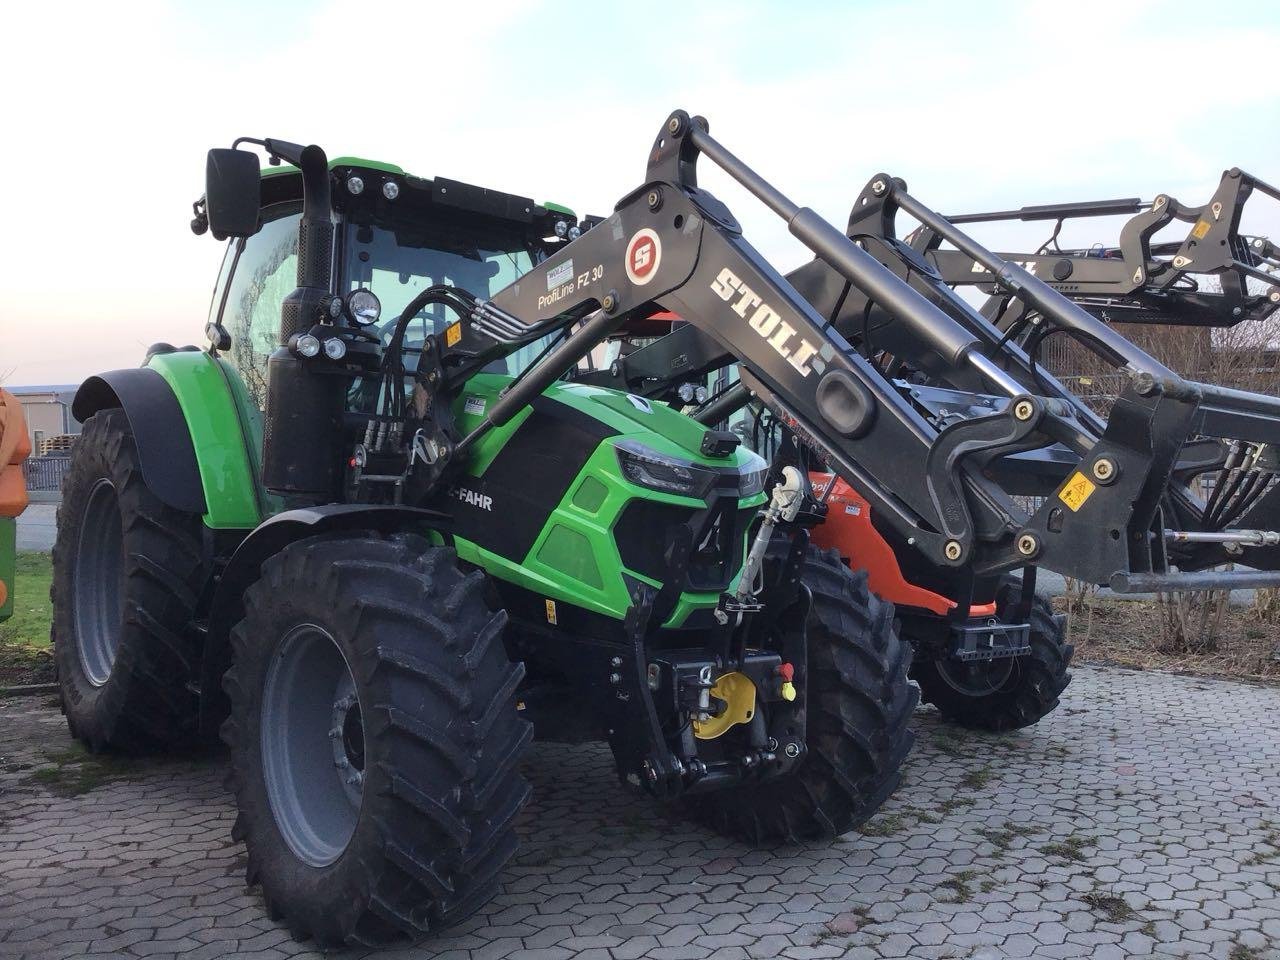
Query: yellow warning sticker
{"points": [[1200, 229], [1077, 491], [452, 334], [551, 612]]}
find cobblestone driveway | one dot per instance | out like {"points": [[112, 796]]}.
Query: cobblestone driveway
{"points": [[1142, 818]]}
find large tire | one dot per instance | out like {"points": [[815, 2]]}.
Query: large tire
{"points": [[860, 706], [1003, 694], [128, 572], [423, 836]]}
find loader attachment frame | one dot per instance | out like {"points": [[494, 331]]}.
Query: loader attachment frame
{"points": [[1136, 281], [672, 244]]}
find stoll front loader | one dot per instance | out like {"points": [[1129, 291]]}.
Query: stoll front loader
{"points": [[982, 655], [454, 551]]}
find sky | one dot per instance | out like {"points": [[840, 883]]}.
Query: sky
{"points": [[110, 107]]}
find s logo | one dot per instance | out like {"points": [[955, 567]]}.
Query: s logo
{"points": [[644, 254]]}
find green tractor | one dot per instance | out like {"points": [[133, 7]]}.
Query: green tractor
{"points": [[374, 535]]}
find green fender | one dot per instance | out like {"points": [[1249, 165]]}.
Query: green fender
{"points": [[226, 432]]}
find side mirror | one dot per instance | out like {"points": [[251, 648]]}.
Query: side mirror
{"points": [[232, 193]]}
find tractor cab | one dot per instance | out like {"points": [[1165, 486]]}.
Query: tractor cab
{"points": [[395, 235]]}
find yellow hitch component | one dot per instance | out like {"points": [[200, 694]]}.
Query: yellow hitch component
{"points": [[788, 691], [739, 695]]}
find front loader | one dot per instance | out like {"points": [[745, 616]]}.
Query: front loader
{"points": [[459, 550], [988, 651]]}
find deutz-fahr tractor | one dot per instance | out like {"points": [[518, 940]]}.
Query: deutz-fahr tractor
{"points": [[434, 548]]}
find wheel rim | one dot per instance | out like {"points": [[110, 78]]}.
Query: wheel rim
{"points": [[98, 591], [975, 678], [313, 745]]}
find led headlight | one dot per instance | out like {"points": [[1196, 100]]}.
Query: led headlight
{"points": [[561, 228], [752, 475], [658, 471], [307, 345], [700, 394], [686, 392], [335, 349], [355, 186], [363, 307]]}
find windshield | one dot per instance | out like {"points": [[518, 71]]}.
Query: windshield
{"points": [[399, 264]]}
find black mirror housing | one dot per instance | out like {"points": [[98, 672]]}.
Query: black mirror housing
{"points": [[232, 192]]}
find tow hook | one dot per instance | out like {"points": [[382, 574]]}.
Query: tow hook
{"points": [[788, 673]]}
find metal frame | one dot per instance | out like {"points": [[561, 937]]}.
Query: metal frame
{"points": [[1136, 281]]}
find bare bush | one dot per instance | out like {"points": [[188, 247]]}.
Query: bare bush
{"points": [[1079, 597]]}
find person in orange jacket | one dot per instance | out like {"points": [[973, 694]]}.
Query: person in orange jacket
{"points": [[15, 447]]}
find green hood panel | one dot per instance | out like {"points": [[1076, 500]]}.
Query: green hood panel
{"points": [[575, 559]]}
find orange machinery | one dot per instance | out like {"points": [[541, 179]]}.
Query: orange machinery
{"points": [[15, 447]]}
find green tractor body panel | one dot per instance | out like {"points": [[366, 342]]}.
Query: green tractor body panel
{"points": [[574, 556], [226, 432], [8, 563]]}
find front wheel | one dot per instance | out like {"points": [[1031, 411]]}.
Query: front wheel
{"points": [[1003, 694], [374, 739], [860, 705]]}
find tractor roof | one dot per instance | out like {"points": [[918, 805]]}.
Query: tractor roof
{"points": [[283, 184]]}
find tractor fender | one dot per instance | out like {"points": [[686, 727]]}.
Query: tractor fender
{"points": [[165, 451], [269, 538]]}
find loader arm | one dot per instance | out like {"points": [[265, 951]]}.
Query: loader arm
{"points": [[672, 243], [1135, 281]]}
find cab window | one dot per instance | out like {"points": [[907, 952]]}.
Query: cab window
{"points": [[266, 273], [397, 265]]}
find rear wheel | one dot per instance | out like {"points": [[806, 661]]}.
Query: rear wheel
{"points": [[860, 705], [374, 739], [127, 574], [1002, 694]]}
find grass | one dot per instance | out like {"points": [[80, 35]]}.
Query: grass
{"points": [[952, 744], [977, 779], [1113, 908], [1272, 840], [961, 886], [74, 771], [883, 825], [1070, 848], [29, 626], [24, 638], [1001, 838]]}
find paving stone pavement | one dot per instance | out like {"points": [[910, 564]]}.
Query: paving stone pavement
{"points": [[1141, 819]]}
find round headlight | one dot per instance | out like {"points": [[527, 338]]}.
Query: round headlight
{"points": [[574, 233], [391, 189], [685, 390], [334, 348], [363, 307], [700, 394], [307, 345], [355, 186], [561, 228]]}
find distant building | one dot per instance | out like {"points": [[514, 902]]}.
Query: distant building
{"points": [[48, 413]]}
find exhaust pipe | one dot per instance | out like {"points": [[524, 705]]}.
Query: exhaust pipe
{"points": [[302, 429]]}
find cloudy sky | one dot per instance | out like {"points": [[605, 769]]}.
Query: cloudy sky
{"points": [[109, 108]]}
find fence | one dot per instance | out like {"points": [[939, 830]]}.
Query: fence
{"points": [[45, 473]]}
